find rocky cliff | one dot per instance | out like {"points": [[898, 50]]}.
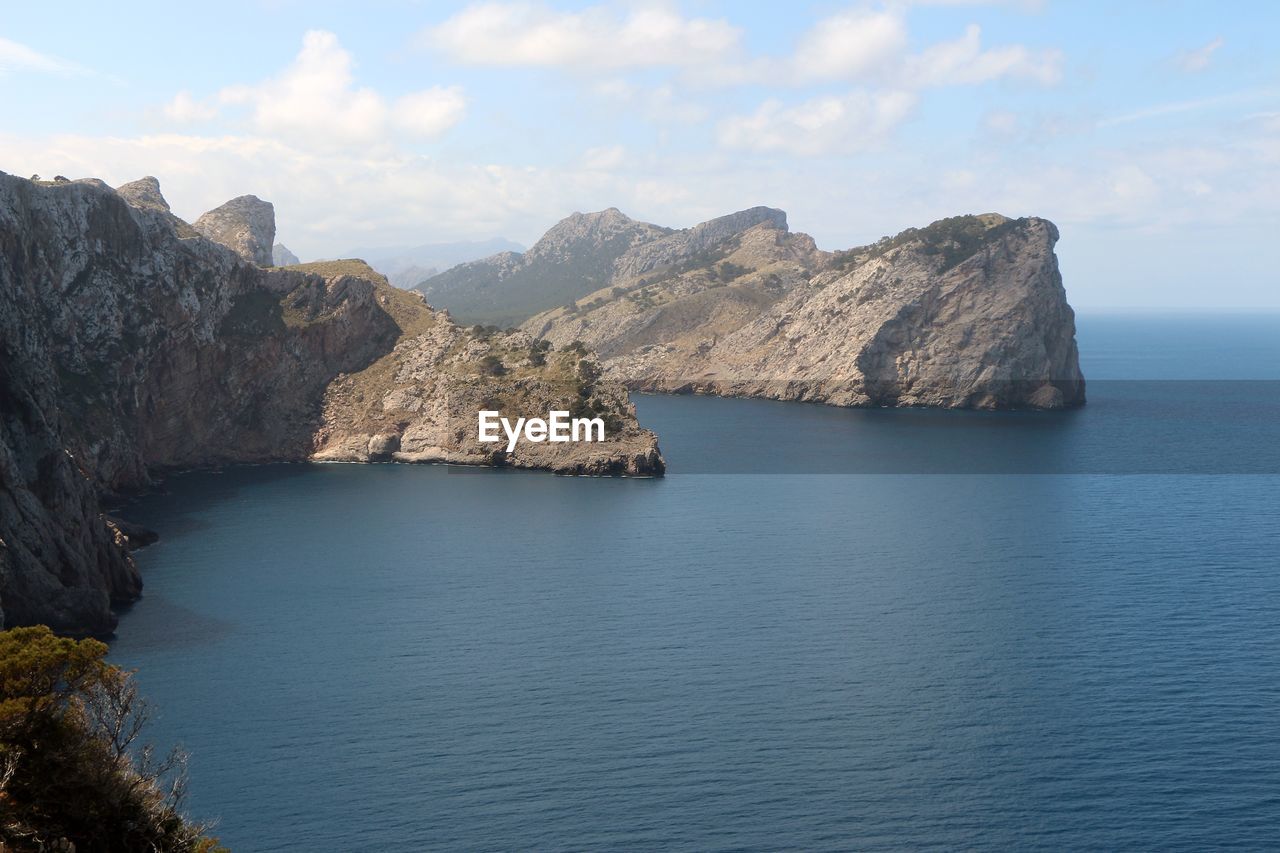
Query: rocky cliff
{"points": [[969, 312], [131, 345]]}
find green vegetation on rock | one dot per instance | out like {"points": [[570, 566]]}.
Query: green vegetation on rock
{"points": [[73, 775]]}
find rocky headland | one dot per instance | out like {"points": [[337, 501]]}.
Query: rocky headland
{"points": [[968, 312], [132, 343]]}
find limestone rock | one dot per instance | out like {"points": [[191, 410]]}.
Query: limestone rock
{"points": [[969, 312], [144, 196], [144, 193], [382, 445], [420, 402], [695, 243], [282, 257], [246, 225]]}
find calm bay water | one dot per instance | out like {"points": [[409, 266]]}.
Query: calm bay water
{"points": [[823, 630]]}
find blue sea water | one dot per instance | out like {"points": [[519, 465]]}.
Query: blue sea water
{"points": [[825, 629]]}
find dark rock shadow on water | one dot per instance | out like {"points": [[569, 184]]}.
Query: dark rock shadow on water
{"points": [[169, 625], [177, 504]]}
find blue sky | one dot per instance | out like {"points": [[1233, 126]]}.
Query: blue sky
{"points": [[1149, 131]]}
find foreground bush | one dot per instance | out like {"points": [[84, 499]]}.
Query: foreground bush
{"points": [[72, 775]]}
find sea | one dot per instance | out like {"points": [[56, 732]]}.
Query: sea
{"points": [[824, 629]]}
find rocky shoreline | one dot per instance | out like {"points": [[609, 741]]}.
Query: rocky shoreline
{"points": [[132, 345]]}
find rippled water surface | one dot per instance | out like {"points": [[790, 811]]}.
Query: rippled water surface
{"points": [[751, 656]]}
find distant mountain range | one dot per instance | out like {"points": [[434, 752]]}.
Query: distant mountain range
{"points": [[408, 266], [579, 255]]}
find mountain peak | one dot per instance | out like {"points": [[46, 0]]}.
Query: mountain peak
{"points": [[246, 225], [608, 231], [144, 193]]}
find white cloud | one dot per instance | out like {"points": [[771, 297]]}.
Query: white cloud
{"points": [[1194, 105], [823, 125], [964, 62], [430, 112], [870, 46], [849, 45], [658, 104], [604, 158], [1023, 5], [599, 37], [16, 57], [1193, 61], [859, 44], [315, 103], [185, 108], [1001, 122]]}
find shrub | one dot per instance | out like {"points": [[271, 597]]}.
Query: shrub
{"points": [[72, 774], [588, 371], [491, 365]]}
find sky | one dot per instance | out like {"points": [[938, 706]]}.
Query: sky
{"points": [[1149, 132]]}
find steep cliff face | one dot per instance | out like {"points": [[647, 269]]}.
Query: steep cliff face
{"points": [[246, 225], [967, 313], [131, 345]]}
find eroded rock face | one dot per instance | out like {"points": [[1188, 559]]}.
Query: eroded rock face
{"points": [[967, 313], [127, 349], [246, 225]]}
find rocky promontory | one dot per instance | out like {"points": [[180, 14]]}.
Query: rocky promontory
{"points": [[968, 312], [131, 345]]}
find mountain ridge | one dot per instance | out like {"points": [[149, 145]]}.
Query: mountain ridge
{"points": [[574, 254]]}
